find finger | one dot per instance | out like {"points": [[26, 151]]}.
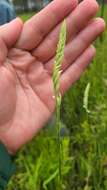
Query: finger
{"points": [[76, 21], [42, 23], [73, 73], [9, 34], [76, 47], [11, 31]]}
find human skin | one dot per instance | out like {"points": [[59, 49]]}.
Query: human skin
{"points": [[26, 62]]}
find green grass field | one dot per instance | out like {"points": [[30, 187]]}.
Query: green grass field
{"points": [[84, 151]]}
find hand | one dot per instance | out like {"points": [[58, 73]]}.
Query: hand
{"points": [[26, 62]]}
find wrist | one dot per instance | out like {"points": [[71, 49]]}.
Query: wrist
{"points": [[7, 147], [7, 167]]}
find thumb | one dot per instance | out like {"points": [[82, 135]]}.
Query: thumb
{"points": [[9, 34]]}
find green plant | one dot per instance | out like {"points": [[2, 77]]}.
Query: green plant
{"points": [[56, 83]]}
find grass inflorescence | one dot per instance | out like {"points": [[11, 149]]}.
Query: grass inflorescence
{"points": [[56, 82]]}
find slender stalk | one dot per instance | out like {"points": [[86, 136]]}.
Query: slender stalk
{"points": [[102, 16], [102, 9], [58, 125]]}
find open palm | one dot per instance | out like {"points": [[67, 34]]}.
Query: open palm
{"points": [[26, 64]]}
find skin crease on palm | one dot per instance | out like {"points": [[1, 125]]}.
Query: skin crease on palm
{"points": [[26, 62]]}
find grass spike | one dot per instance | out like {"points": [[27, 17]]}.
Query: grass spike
{"points": [[56, 83], [86, 96]]}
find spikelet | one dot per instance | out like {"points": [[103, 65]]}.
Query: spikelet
{"points": [[59, 58], [86, 97]]}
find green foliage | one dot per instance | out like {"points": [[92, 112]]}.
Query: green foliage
{"points": [[89, 133], [38, 167]]}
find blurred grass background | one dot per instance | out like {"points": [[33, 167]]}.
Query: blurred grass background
{"points": [[25, 16], [85, 150]]}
